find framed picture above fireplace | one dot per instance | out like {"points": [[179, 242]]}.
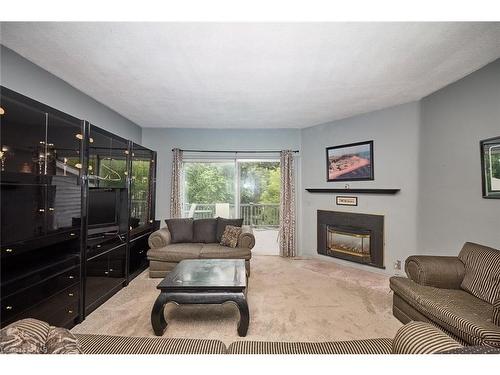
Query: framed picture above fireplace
{"points": [[490, 166], [350, 162]]}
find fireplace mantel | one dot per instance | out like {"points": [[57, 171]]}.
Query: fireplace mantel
{"points": [[354, 191]]}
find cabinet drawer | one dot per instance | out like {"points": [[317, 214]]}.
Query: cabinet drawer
{"points": [[104, 274], [137, 253], [12, 282], [61, 308], [58, 310], [96, 248], [18, 302], [117, 262], [63, 237]]}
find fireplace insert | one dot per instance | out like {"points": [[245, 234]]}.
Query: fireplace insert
{"points": [[348, 240], [351, 236]]}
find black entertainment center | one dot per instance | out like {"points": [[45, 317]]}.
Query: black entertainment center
{"points": [[77, 208]]}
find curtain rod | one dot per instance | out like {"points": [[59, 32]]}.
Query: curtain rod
{"points": [[237, 152]]}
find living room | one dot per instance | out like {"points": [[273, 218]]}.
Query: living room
{"points": [[250, 188]]}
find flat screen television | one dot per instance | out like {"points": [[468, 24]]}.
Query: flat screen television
{"points": [[102, 207]]}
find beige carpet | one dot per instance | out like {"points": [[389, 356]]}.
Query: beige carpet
{"points": [[289, 300]]}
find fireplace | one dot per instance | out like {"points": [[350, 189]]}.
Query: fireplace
{"points": [[348, 240], [352, 236]]}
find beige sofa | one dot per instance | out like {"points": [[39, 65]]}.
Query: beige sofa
{"points": [[164, 255]]}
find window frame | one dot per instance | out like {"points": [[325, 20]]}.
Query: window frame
{"points": [[237, 176]]}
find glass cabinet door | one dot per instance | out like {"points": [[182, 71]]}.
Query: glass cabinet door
{"points": [[140, 187], [63, 204], [107, 160], [64, 142], [64, 167], [108, 181], [23, 138], [23, 212], [41, 166]]}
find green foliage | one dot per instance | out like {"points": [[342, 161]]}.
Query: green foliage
{"points": [[494, 164], [258, 182], [139, 188], [209, 182], [111, 170], [140, 178], [272, 192]]}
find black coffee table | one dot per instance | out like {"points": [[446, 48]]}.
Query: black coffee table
{"points": [[203, 281]]}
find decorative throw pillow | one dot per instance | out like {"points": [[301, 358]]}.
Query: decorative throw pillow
{"points": [[221, 225], [62, 341], [230, 236], [14, 340], [25, 336], [205, 230], [181, 230]]}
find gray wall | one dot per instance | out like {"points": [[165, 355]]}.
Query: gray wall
{"points": [[454, 120], [395, 132], [163, 140], [428, 149], [26, 78]]}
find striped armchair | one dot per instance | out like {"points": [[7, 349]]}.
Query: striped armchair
{"points": [[461, 295]]}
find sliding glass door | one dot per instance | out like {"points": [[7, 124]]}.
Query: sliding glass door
{"points": [[259, 192], [236, 188], [259, 200]]}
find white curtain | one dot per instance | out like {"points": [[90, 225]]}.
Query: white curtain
{"points": [[287, 232], [175, 194]]}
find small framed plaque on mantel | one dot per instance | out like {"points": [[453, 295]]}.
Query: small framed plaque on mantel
{"points": [[342, 200]]}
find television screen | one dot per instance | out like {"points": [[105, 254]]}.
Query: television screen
{"points": [[102, 207]]}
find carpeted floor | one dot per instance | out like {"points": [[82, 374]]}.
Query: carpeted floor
{"points": [[289, 300]]}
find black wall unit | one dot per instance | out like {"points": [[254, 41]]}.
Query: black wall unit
{"points": [[60, 256]]}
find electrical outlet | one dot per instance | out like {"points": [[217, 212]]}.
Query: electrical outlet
{"points": [[397, 265]]}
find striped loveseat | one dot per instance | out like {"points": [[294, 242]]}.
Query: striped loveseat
{"points": [[461, 295], [34, 336]]}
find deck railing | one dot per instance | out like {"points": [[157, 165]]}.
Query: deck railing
{"points": [[139, 209], [255, 214], [260, 214]]}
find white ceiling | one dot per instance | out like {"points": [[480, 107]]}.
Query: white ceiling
{"points": [[254, 75]]}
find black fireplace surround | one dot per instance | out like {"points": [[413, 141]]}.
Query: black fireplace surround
{"points": [[358, 225]]}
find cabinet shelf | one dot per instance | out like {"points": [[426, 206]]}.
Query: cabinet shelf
{"points": [[140, 232], [19, 178], [56, 237]]}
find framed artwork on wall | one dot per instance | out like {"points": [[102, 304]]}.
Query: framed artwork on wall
{"points": [[490, 167], [350, 162]]}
